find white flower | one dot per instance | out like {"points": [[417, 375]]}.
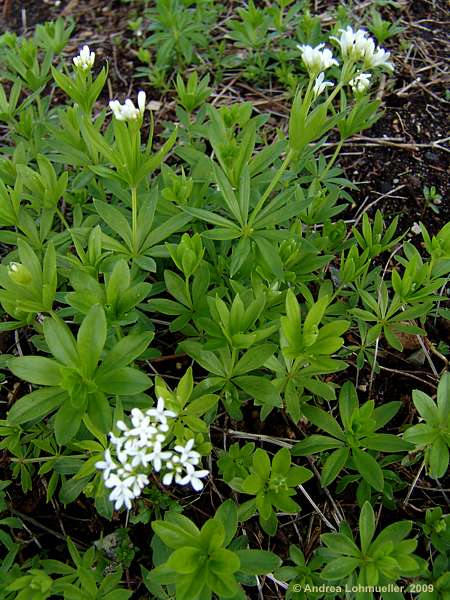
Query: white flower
{"points": [[141, 101], [85, 59], [346, 41], [160, 414], [121, 494], [379, 58], [187, 455], [416, 228], [194, 478], [320, 84], [360, 83], [174, 470], [106, 465], [128, 111], [142, 429], [316, 59], [139, 483], [360, 46], [156, 457], [353, 44]]}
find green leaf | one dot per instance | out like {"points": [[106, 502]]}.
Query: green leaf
{"points": [[210, 217], [227, 515], [324, 421], [61, 341], [348, 403], [67, 422], [333, 465], [394, 533], [36, 405], [254, 358], [314, 444], [340, 544], [426, 407], [36, 369], [339, 568], [369, 469], [123, 381], [258, 562], [385, 442], [271, 256], [172, 225], [281, 462], [126, 351], [212, 535], [443, 396], [383, 414], [298, 475], [71, 489], [91, 338], [259, 388], [439, 457], [184, 560], [176, 534], [228, 194], [313, 319], [366, 526], [261, 464], [224, 561], [115, 219]]}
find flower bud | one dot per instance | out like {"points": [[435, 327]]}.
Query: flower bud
{"points": [[188, 254]]}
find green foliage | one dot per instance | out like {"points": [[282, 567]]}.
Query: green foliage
{"points": [[53, 578], [76, 385], [354, 440], [222, 243], [273, 485], [377, 560], [433, 435], [206, 561]]}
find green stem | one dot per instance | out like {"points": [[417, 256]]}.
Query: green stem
{"points": [[134, 218], [63, 218], [44, 458], [271, 187], [188, 293], [332, 159]]}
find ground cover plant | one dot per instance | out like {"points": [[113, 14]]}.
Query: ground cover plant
{"points": [[224, 372]]}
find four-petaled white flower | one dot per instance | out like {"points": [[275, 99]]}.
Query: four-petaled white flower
{"points": [[193, 477], [317, 59], [107, 465], [128, 111], [161, 414], [360, 83], [320, 85], [158, 456], [122, 493], [85, 60], [187, 455]]}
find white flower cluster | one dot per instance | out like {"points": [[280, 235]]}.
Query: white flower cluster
{"points": [[128, 111], [85, 60], [317, 59], [358, 45], [141, 447], [355, 46]]}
